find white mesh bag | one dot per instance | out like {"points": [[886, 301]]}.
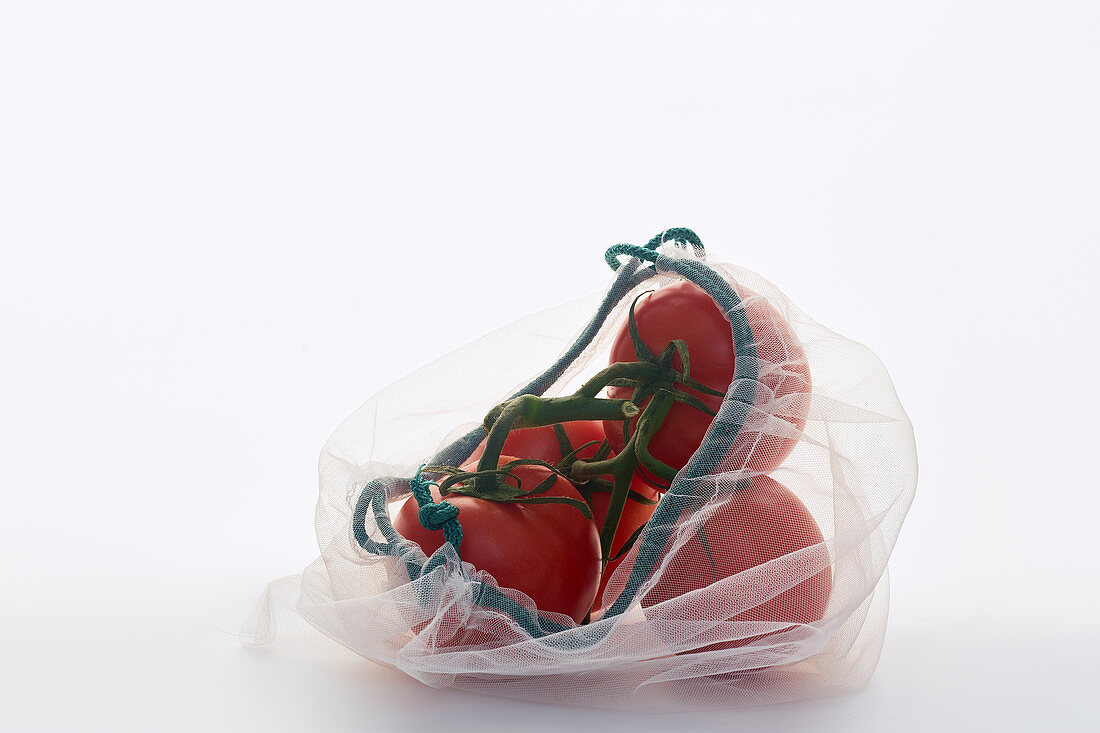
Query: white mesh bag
{"points": [[760, 577]]}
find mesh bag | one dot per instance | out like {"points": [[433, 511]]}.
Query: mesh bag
{"points": [[760, 577]]}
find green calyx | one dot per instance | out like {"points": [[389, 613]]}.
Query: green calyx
{"points": [[655, 379], [670, 377]]}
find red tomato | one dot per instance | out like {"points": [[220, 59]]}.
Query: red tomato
{"points": [[551, 552], [542, 443], [634, 515], [684, 311], [757, 524]]}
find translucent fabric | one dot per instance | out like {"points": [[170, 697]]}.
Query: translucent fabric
{"points": [[811, 442]]}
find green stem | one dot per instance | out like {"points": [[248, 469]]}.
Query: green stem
{"points": [[623, 473], [622, 467], [637, 370], [648, 424], [528, 411], [641, 371]]}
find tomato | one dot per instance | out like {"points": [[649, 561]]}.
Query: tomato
{"points": [[542, 443], [634, 515], [684, 311], [551, 552], [757, 524]]}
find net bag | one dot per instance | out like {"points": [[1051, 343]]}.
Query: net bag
{"points": [[757, 571]]}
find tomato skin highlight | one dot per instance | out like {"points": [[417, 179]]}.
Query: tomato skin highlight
{"points": [[682, 310], [551, 552], [755, 525]]}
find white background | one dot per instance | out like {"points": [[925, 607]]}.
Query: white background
{"points": [[225, 225]]}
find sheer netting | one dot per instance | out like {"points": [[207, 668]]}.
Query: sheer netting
{"points": [[761, 576]]}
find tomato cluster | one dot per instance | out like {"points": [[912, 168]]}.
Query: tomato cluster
{"points": [[540, 543]]}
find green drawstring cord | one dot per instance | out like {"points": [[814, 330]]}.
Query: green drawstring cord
{"points": [[432, 515]]}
